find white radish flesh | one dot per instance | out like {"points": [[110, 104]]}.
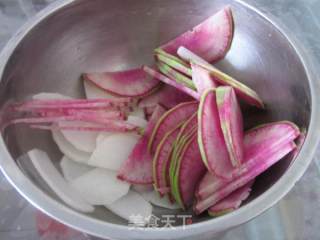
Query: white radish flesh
{"points": [[71, 169], [138, 121], [100, 186], [113, 151], [56, 182], [154, 198], [93, 92], [132, 204]]}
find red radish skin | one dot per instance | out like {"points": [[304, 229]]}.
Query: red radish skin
{"points": [[190, 171], [210, 137], [211, 39], [169, 121], [232, 201], [171, 82], [166, 96], [258, 142], [242, 91], [231, 123], [129, 83], [271, 159], [138, 168], [202, 79]]}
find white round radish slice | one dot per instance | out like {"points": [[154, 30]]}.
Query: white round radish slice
{"points": [[68, 149], [93, 92], [100, 186], [138, 121], [44, 95], [138, 112], [131, 205], [56, 182], [141, 188], [72, 170], [82, 140], [102, 136], [113, 150], [156, 200]]}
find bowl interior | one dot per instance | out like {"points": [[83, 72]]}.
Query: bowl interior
{"points": [[99, 35]]}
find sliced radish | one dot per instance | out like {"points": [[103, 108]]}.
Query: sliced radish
{"points": [[56, 182], [170, 120], [137, 121], [142, 188], [113, 151], [210, 137], [164, 202], [211, 39], [68, 149], [175, 75], [71, 169], [259, 143], [232, 201], [130, 83], [132, 204], [94, 92], [202, 79], [138, 167], [166, 96], [189, 171], [173, 62], [171, 82], [242, 91], [231, 123], [138, 112], [83, 141], [100, 187]]}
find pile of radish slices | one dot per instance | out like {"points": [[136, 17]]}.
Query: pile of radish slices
{"points": [[170, 135]]}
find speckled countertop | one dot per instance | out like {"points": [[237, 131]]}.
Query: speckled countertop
{"points": [[296, 217]]}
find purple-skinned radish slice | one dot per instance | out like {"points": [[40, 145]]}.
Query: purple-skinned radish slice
{"points": [[273, 156], [93, 92], [231, 123], [211, 39], [166, 96], [56, 182], [113, 151], [100, 186], [232, 201], [154, 198], [171, 82], [210, 137], [258, 142], [169, 121], [71, 169], [129, 83], [242, 91], [137, 168], [132, 204], [201, 78]]}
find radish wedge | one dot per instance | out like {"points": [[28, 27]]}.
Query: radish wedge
{"points": [[94, 92], [259, 142], [138, 166], [154, 198], [171, 82], [71, 169], [231, 123], [173, 62], [201, 78], [211, 39], [68, 149], [83, 141], [242, 91], [130, 83], [113, 151], [166, 96], [56, 182], [210, 137], [232, 201], [100, 187], [173, 74], [132, 204], [169, 121]]}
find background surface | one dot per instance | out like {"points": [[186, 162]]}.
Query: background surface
{"points": [[296, 217]]}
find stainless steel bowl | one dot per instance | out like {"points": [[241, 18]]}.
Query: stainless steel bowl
{"points": [[74, 36]]}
